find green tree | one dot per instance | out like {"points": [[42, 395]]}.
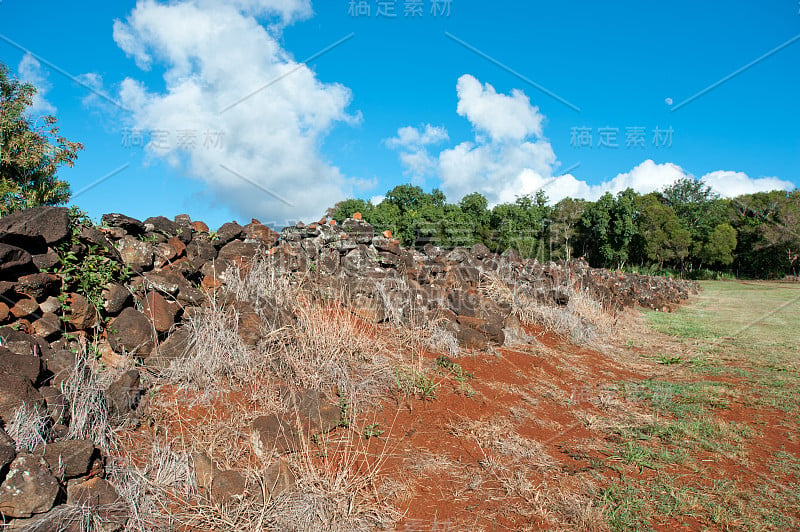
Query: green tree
{"points": [[623, 227], [661, 237], [30, 155], [520, 225], [475, 209], [719, 247], [596, 228], [608, 228], [768, 225], [566, 217], [699, 209], [347, 208]]}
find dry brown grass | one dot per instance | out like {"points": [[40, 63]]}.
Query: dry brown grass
{"points": [[84, 390], [29, 427], [583, 320], [207, 401], [338, 488], [216, 353], [499, 435], [329, 346]]}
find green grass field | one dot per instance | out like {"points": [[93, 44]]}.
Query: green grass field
{"points": [[731, 396]]}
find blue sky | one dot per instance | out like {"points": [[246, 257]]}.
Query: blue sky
{"points": [[501, 97]]}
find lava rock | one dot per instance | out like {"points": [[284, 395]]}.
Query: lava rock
{"points": [[37, 285], [273, 433], [227, 486], [14, 261], [115, 298], [8, 450], [159, 311], [81, 314], [27, 366], [29, 488], [68, 458], [36, 228], [136, 254], [124, 394], [279, 477], [131, 333], [132, 226]]}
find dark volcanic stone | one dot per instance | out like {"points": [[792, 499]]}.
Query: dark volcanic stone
{"points": [[68, 458], [228, 232], [14, 261], [37, 285], [36, 228], [29, 488], [132, 226], [131, 333]]}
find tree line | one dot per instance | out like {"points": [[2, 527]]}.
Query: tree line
{"points": [[684, 229]]}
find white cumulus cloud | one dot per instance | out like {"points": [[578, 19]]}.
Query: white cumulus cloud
{"points": [[413, 145], [500, 116], [237, 111], [412, 137], [509, 157], [30, 71], [730, 184]]}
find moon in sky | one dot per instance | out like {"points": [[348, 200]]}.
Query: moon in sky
{"points": [[668, 101]]}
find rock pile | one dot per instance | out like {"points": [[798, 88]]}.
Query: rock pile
{"points": [[127, 286]]}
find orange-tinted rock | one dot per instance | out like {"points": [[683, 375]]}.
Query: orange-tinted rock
{"points": [[24, 307], [210, 282], [82, 313], [160, 312], [177, 245], [200, 227]]}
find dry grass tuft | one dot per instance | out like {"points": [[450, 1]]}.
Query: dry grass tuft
{"points": [[85, 393], [583, 320], [441, 340], [499, 435], [338, 488], [329, 346], [215, 353], [151, 491], [258, 281], [29, 427]]}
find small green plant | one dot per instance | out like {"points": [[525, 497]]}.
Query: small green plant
{"points": [[414, 383], [458, 372], [372, 431], [668, 360], [93, 270], [344, 413]]}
